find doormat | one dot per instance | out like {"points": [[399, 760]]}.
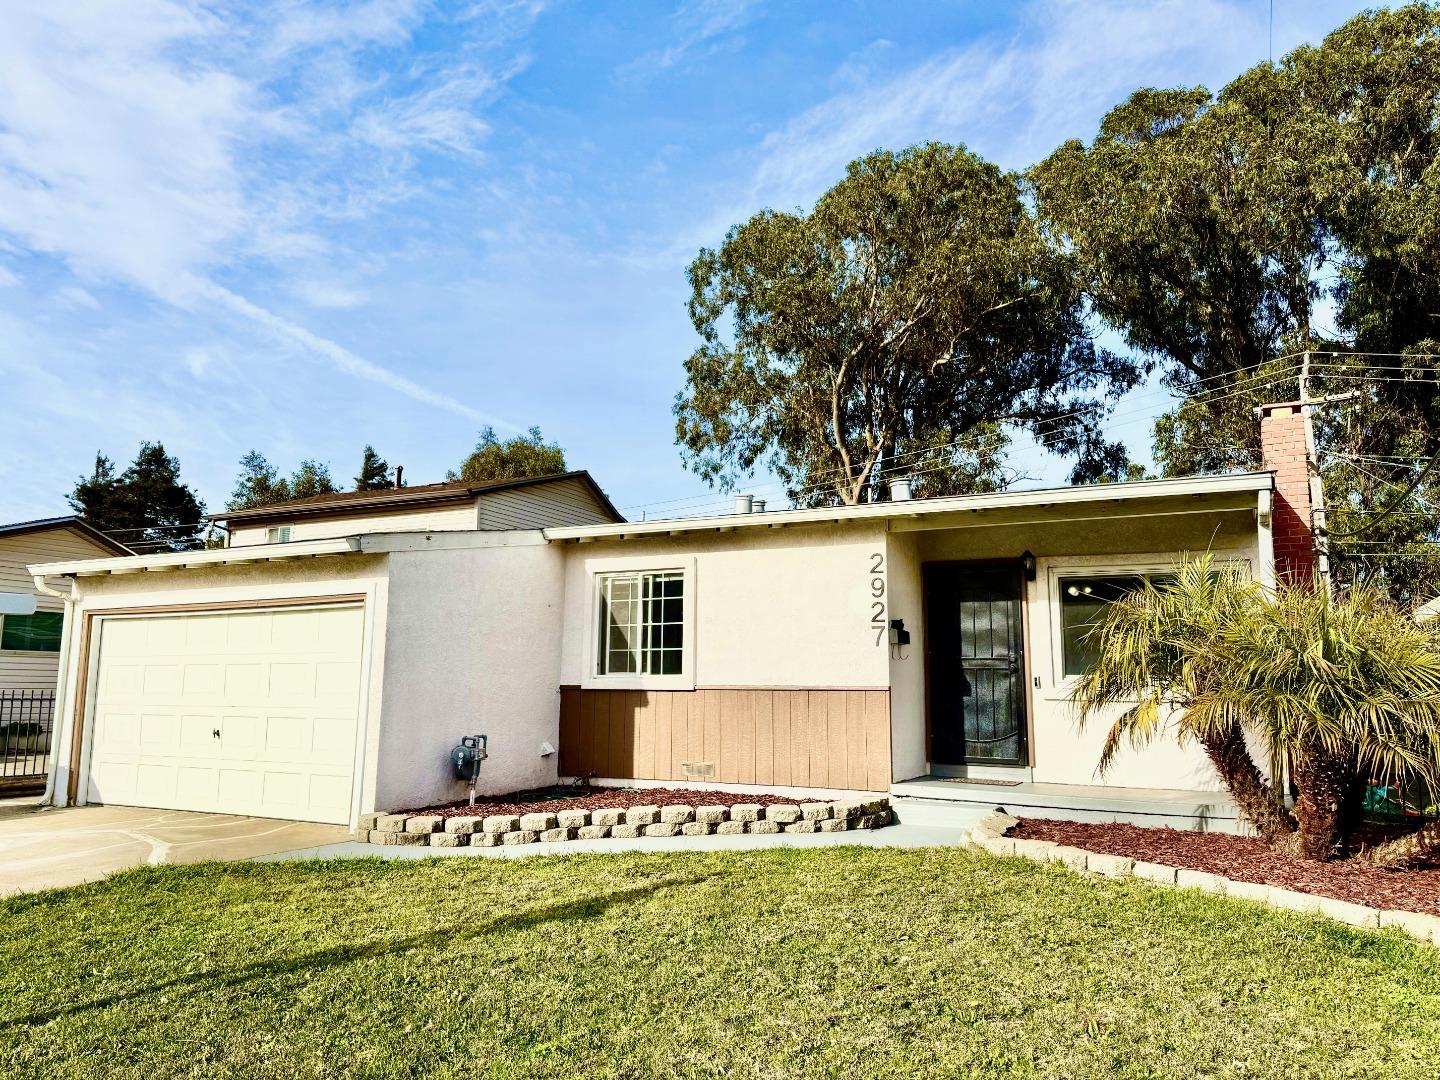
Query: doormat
{"points": [[978, 782]]}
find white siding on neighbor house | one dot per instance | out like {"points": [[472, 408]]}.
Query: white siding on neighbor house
{"points": [[546, 506], [38, 670], [455, 517]]}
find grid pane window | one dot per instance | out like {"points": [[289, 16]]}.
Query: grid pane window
{"points": [[642, 619], [39, 632]]}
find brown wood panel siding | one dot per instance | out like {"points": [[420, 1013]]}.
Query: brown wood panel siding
{"points": [[789, 737]]}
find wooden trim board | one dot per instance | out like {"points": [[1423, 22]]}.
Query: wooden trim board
{"points": [[790, 737]]}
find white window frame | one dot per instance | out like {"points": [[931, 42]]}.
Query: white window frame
{"points": [[595, 571], [277, 534], [1145, 566]]}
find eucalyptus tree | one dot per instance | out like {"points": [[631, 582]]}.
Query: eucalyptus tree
{"points": [[905, 324], [1220, 235]]}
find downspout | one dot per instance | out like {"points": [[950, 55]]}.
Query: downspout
{"points": [[62, 681]]}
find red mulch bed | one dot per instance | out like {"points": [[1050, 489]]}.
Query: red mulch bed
{"points": [[553, 799], [1244, 858]]}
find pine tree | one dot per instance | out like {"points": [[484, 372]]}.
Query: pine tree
{"points": [[374, 472], [146, 507]]}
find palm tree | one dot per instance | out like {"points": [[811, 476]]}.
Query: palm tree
{"points": [[1336, 691]]}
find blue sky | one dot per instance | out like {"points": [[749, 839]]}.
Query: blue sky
{"points": [[303, 226]]}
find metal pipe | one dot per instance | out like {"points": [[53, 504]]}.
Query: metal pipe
{"points": [[61, 681]]}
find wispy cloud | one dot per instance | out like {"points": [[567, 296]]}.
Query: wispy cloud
{"points": [[342, 358], [699, 25], [1015, 98], [141, 147]]}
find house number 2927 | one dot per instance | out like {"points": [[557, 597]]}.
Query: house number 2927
{"points": [[877, 597]]}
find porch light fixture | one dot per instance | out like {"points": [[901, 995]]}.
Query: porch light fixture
{"points": [[1027, 564]]}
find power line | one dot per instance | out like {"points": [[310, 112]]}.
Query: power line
{"points": [[1430, 467]]}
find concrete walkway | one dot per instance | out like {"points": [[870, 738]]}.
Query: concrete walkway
{"points": [[906, 836], [42, 849]]}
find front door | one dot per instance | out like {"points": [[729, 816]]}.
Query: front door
{"points": [[974, 664]]}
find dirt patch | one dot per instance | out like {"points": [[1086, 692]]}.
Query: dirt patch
{"points": [[553, 799], [1244, 858]]}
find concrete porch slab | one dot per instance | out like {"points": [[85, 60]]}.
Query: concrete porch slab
{"points": [[930, 800]]}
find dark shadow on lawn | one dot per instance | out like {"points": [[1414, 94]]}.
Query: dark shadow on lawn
{"points": [[584, 907]]}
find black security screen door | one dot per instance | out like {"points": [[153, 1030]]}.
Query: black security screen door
{"points": [[977, 702]]}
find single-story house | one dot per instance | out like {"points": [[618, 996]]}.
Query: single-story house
{"points": [[323, 664]]}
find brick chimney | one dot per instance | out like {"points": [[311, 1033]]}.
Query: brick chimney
{"points": [[1283, 451]]}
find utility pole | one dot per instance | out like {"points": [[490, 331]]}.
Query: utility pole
{"points": [[1312, 466]]}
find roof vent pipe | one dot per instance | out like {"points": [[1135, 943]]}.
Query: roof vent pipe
{"points": [[757, 506], [900, 489], [399, 476], [744, 503]]}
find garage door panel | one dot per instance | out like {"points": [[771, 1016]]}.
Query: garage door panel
{"points": [[159, 731], [197, 786], [203, 680], [248, 632], [288, 735], [122, 681], [117, 730], [197, 731], [207, 634], [155, 782], [113, 782], [282, 688]]}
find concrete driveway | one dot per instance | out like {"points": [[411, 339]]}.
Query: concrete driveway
{"points": [[42, 849]]}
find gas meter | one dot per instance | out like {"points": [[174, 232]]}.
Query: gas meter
{"points": [[465, 759]]}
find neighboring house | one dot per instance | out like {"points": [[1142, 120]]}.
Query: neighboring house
{"points": [[30, 644], [571, 498], [328, 676]]}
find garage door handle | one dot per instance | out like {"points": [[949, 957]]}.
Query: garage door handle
{"points": [[216, 733]]}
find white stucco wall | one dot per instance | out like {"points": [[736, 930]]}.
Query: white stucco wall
{"points": [[472, 648], [1114, 542], [908, 750], [772, 608]]}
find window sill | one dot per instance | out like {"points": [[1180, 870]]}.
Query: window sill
{"points": [[638, 682], [30, 652]]}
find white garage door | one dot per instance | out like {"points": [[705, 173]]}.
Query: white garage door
{"points": [[246, 712]]}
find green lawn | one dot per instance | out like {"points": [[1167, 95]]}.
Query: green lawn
{"points": [[846, 962]]}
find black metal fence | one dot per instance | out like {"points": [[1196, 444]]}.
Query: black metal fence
{"points": [[27, 718]]}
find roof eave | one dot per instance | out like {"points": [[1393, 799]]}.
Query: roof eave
{"points": [[1077, 494], [75, 522], [193, 560]]}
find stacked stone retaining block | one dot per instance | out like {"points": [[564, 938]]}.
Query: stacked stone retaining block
{"points": [[990, 835], [496, 830]]}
